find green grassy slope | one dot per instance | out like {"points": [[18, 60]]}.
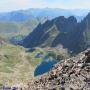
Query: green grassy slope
{"points": [[10, 29], [16, 65]]}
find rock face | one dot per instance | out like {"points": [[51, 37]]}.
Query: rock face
{"points": [[65, 31], [70, 74], [52, 33]]}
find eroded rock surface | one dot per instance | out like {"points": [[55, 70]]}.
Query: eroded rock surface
{"points": [[70, 74]]}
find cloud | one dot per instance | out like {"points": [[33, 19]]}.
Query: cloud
{"points": [[9, 5]]}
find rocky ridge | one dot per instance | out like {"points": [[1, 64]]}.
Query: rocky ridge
{"points": [[73, 35], [69, 74]]}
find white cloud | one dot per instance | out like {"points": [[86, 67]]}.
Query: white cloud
{"points": [[9, 5]]}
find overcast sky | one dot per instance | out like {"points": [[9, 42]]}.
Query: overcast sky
{"points": [[10, 5]]}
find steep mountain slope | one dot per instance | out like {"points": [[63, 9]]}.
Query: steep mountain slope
{"points": [[15, 32], [16, 64], [86, 27], [69, 74], [61, 30], [15, 68]]}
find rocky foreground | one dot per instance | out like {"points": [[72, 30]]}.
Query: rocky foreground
{"points": [[70, 74]]}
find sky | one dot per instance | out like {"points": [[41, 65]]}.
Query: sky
{"points": [[11, 5]]}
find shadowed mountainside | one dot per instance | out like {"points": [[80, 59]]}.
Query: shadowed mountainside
{"points": [[65, 31]]}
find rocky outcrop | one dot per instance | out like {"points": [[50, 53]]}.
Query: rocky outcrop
{"points": [[52, 33], [70, 74], [61, 31]]}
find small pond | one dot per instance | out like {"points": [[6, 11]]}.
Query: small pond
{"points": [[45, 66]]}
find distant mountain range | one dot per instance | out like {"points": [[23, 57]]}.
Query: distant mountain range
{"points": [[73, 35], [50, 13]]}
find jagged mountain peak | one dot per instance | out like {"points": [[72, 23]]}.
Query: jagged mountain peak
{"points": [[88, 16], [72, 19], [68, 32]]}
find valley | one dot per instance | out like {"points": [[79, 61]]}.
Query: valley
{"points": [[32, 43], [18, 65]]}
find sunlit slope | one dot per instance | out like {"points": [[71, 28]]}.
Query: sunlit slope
{"points": [[16, 66]]}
